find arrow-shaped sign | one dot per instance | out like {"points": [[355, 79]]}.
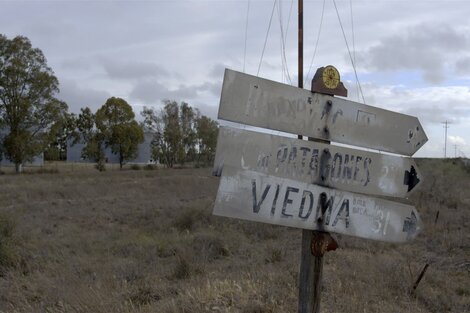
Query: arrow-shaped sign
{"points": [[316, 163], [254, 196], [263, 103]]}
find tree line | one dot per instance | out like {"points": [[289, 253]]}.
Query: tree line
{"points": [[34, 121], [180, 134]]}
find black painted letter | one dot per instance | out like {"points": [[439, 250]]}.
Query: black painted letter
{"points": [[302, 204], [288, 201], [273, 207], [256, 204], [324, 208], [345, 208]]}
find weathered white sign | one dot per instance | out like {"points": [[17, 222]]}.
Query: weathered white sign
{"points": [[260, 102], [254, 196], [316, 163]]}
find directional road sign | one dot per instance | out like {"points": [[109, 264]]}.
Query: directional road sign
{"points": [[260, 102], [316, 163], [255, 196]]}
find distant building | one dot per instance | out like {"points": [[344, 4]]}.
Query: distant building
{"points": [[144, 154]]}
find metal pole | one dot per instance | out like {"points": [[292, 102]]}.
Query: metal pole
{"points": [[445, 139], [306, 261], [301, 44], [301, 48], [445, 147], [311, 266]]}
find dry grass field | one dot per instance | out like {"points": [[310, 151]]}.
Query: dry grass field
{"points": [[77, 240]]}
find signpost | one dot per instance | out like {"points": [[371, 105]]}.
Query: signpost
{"points": [[316, 163], [315, 185], [263, 103], [251, 195]]}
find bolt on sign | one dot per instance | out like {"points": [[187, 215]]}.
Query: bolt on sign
{"points": [[312, 185]]}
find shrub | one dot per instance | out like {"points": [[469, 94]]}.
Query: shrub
{"points": [[210, 246], [256, 307], [43, 170], [144, 295], [150, 167], [136, 167], [100, 166], [260, 231], [187, 218], [274, 255], [8, 254], [182, 268]]}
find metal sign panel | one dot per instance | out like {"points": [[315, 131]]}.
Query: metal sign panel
{"points": [[260, 102], [259, 197], [316, 163]]}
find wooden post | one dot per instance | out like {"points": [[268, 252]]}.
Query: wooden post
{"points": [[314, 243], [310, 266], [310, 276]]}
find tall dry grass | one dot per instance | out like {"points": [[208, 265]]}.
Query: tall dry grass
{"points": [[146, 241]]}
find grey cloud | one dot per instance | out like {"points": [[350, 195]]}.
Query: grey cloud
{"points": [[217, 71], [462, 66], [207, 110], [214, 88], [437, 111], [127, 70], [79, 63], [77, 97], [152, 92], [434, 76], [431, 105], [53, 29], [424, 47]]}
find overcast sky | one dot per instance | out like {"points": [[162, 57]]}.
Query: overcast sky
{"points": [[411, 56]]}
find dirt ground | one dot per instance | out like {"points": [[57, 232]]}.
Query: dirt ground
{"points": [[73, 239]]}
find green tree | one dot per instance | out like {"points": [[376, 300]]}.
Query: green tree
{"points": [[65, 129], [116, 121], [85, 125], [28, 107], [172, 135], [207, 131], [167, 142], [1, 148], [180, 134], [188, 130], [91, 137], [153, 124]]}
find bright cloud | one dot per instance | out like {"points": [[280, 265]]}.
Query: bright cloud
{"points": [[457, 140]]}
